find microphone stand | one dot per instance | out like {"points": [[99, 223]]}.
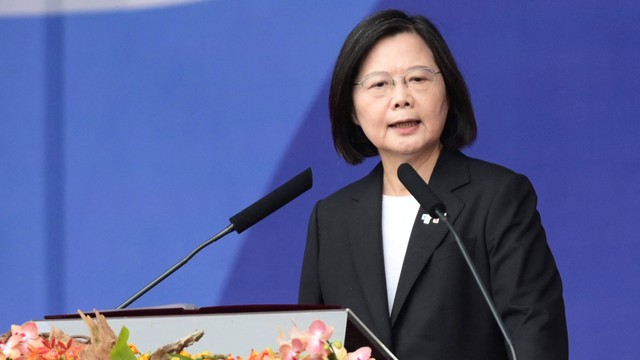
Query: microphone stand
{"points": [[242, 221], [175, 267], [485, 293]]}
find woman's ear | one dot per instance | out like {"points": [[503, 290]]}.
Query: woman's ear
{"points": [[354, 119]]}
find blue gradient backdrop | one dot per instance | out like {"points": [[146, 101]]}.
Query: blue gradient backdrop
{"points": [[128, 138]]}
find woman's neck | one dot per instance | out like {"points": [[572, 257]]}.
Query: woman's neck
{"points": [[423, 163]]}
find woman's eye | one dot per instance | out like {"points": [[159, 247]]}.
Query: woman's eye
{"points": [[378, 84], [418, 79]]}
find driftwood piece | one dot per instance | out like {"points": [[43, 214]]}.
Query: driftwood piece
{"points": [[176, 346], [4, 337], [103, 339]]}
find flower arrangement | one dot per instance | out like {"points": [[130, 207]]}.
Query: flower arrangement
{"points": [[24, 342]]}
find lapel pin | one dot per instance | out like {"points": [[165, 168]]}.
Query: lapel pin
{"points": [[427, 219]]}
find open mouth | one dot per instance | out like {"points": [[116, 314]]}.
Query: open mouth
{"points": [[404, 124]]}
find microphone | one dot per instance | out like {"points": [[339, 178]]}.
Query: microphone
{"points": [[272, 202], [240, 222], [420, 190], [430, 202]]}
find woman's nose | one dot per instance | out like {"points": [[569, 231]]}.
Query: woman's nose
{"points": [[400, 94]]}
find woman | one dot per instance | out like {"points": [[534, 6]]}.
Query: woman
{"points": [[397, 93]]}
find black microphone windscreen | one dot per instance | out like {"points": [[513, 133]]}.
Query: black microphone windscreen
{"points": [[429, 201], [272, 202]]}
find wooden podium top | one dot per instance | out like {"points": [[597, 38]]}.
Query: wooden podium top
{"points": [[187, 309]]}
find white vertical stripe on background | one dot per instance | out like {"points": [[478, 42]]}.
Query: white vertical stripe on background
{"points": [[48, 7]]}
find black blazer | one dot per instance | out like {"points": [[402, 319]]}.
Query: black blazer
{"points": [[439, 311]]}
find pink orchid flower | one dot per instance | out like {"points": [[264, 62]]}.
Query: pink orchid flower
{"points": [[364, 353], [291, 351], [28, 330], [287, 352], [318, 335], [29, 336], [11, 349]]}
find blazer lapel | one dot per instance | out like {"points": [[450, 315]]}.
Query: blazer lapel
{"points": [[450, 173], [365, 239]]}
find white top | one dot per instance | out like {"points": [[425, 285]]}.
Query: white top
{"points": [[398, 216]]}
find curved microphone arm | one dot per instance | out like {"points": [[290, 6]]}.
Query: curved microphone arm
{"points": [[175, 267]]}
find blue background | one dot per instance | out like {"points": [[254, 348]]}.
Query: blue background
{"points": [[128, 138]]}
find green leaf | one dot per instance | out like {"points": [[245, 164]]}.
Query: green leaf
{"points": [[122, 351]]}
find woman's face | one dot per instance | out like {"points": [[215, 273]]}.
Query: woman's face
{"points": [[405, 121]]}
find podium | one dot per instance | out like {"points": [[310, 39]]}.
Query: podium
{"points": [[227, 329]]}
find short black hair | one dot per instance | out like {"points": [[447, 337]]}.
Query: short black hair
{"points": [[349, 140]]}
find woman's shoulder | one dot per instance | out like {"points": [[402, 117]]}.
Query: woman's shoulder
{"points": [[493, 178], [365, 186], [483, 168], [459, 168]]}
